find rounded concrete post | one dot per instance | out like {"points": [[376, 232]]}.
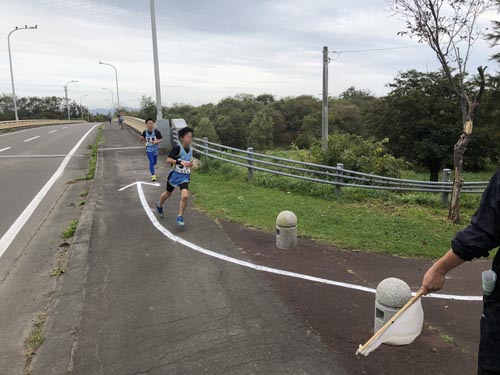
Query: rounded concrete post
{"points": [[392, 294], [446, 178], [286, 230], [338, 188], [250, 163], [204, 142]]}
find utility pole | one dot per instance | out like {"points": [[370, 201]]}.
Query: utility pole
{"points": [[159, 112], [66, 94], [26, 27], [116, 80], [162, 124], [324, 115]]}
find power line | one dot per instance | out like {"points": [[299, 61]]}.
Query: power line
{"points": [[374, 49]]}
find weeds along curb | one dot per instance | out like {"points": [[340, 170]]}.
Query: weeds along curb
{"points": [[63, 315]]}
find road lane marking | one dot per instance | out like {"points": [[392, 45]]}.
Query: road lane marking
{"points": [[37, 156], [5, 149], [152, 217], [16, 227], [16, 132], [65, 127], [52, 131], [30, 139]]}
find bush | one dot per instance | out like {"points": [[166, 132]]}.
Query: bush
{"points": [[358, 154]]}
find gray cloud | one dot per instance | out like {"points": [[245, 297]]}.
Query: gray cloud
{"points": [[208, 49]]}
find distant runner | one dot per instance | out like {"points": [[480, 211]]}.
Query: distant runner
{"points": [[151, 137], [181, 159], [120, 120]]}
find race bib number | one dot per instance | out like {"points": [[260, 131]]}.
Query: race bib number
{"points": [[149, 141], [183, 170]]}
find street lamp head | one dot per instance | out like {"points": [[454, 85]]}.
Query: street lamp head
{"points": [[100, 62]]}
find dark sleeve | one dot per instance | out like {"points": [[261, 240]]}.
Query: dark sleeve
{"points": [[175, 152], [483, 233], [158, 134], [143, 134]]}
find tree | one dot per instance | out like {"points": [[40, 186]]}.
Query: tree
{"points": [[449, 28], [260, 134], [148, 108], [419, 117], [494, 35], [205, 128]]}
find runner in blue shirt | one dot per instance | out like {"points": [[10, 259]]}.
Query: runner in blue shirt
{"points": [[151, 137], [181, 159]]}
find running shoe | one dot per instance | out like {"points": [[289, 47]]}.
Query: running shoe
{"points": [[180, 222], [153, 178], [159, 209]]}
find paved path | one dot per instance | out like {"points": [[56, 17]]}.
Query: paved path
{"points": [[154, 307]]}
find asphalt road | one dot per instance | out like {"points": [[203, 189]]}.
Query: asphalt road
{"points": [[28, 159]]}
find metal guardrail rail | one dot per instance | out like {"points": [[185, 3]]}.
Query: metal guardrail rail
{"points": [[26, 123], [336, 176]]}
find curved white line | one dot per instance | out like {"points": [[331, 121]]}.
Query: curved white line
{"points": [[173, 237]]}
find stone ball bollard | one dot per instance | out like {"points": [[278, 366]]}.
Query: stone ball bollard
{"points": [[286, 230], [392, 294]]}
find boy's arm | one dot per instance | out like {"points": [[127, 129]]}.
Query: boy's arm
{"points": [[141, 137]]}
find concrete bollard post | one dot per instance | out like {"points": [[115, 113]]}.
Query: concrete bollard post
{"points": [[338, 188], [204, 142], [286, 230], [446, 178], [392, 294], [250, 163]]}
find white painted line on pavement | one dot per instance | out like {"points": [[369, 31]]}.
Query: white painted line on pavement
{"points": [[16, 132], [173, 237], [5, 149], [65, 127], [52, 131], [37, 156], [14, 229], [30, 139]]}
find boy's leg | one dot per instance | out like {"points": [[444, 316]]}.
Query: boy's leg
{"points": [[184, 201], [155, 158], [151, 158]]}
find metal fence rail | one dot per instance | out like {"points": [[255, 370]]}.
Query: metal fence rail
{"points": [[335, 176]]}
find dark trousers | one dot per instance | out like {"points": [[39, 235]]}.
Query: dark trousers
{"points": [[489, 346]]}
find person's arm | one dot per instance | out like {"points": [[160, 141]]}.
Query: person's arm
{"points": [[435, 276], [477, 240], [159, 137], [142, 137]]}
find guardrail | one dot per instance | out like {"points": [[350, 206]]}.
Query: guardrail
{"points": [[336, 176], [27, 123], [135, 123]]}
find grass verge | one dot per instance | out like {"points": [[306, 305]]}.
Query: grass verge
{"points": [[398, 226]]}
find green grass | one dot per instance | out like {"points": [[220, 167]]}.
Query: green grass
{"points": [[390, 223], [99, 139], [70, 230], [35, 339]]}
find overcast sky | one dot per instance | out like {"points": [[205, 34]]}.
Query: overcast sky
{"points": [[207, 49]]}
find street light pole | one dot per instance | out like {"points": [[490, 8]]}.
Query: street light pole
{"points": [[159, 113], [324, 116], [116, 79], [26, 27], [66, 94], [112, 100], [81, 108]]}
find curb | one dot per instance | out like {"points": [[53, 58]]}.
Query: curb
{"points": [[16, 127], [63, 316]]}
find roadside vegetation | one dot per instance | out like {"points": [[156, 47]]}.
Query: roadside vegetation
{"points": [[403, 224], [70, 230]]}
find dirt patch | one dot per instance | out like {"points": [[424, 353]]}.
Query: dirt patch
{"points": [[343, 318]]}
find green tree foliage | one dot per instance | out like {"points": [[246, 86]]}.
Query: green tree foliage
{"points": [[358, 154], [148, 108], [260, 133], [419, 116], [205, 128]]}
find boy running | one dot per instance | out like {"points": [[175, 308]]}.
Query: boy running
{"points": [[151, 137], [181, 159]]}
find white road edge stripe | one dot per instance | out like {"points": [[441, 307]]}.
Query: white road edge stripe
{"points": [[30, 139], [173, 237], [5, 149], [52, 131], [14, 229]]}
